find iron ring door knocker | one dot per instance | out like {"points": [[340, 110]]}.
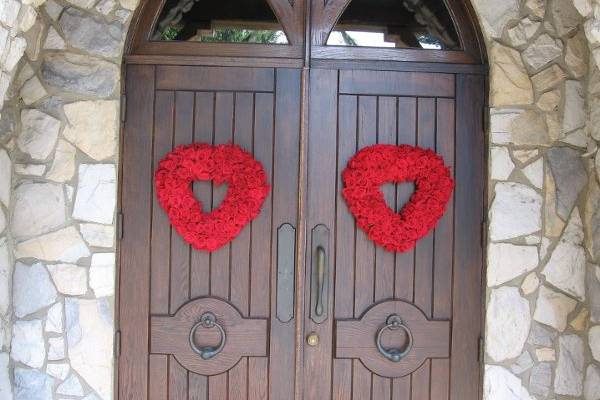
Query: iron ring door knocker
{"points": [[208, 320], [394, 322]]}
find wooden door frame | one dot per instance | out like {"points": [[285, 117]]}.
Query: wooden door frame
{"points": [[310, 54]]}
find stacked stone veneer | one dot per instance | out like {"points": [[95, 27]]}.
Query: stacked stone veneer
{"points": [[543, 298], [59, 82]]}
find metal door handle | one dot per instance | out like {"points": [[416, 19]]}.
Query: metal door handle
{"points": [[320, 280], [393, 323], [208, 320]]}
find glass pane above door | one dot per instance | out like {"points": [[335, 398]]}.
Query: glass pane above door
{"points": [[224, 21], [422, 24]]}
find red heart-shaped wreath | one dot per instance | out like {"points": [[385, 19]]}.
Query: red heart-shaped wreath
{"points": [[229, 164], [376, 165]]}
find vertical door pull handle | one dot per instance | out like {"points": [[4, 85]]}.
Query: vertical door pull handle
{"points": [[320, 280], [319, 274]]}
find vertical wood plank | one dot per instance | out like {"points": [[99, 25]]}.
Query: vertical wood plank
{"points": [[382, 388], [345, 226], [364, 268], [218, 387], [401, 388], [198, 389], [261, 226], [440, 379], [444, 244], [468, 260], [203, 133], [178, 382], [219, 269], [407, 131], [258, 386], [285, 188], [183, 133], [384, 260], [321, 196], [444, 232], [361, 381], [260, 256], [240, 247], [158, 374], [161, 227], [365, 248], [238, 381], [344, 244], [134, 297], [420, 382], [424, 249], [342, 379], [220, 260]]}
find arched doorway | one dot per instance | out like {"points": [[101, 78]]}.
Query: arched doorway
{"points": [[302, 293]]}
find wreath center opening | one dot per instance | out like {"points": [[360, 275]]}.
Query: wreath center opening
{"points": [[397, 195], [209, 194]]}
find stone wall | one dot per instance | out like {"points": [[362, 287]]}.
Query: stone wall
{"points": [[58, 166], [58, 157], [543, 298]]}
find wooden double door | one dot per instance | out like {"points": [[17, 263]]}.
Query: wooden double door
{"points": [[301, 294]]}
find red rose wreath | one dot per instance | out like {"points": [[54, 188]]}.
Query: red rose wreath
{"points": [[376, 165], [229, 164]]}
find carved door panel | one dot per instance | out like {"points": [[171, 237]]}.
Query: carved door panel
{"points": [[178, 305], [360, 287]]}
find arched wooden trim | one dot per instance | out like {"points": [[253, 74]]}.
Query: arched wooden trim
{"points": [[325, 15], [291, 16]]}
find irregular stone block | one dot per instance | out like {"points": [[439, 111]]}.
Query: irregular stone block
{"points": [[98, 235], [32, 289], [509, 81], [93, 126], [63, 166], [96, 193], [575, 111], [569, 176], [69, 279], [502, 166], [90, 342], [64, 245], [566, 267], [591, 388], [594, 341], [569, 372], [39, 208], [508, 321], [553, 308], [515, 211], [102, 274], [27, 344], [39, 132], [80, 74], [507, 261], [500, 384], [91, 34], [542, 52], [540, 379], [31, 384]]}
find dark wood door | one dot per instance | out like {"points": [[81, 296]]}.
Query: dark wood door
{"points": [[165, 286], [301, 293], [435, 288]]}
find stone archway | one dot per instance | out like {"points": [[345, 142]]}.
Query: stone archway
{"points": [[58, 157]]}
